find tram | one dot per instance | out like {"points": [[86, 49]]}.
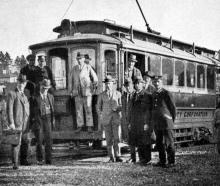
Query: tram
{"points": [[189, 72]]}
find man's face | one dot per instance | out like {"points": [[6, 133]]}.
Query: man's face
{"points": [[138, 86], [131, 64], [129, 88], [87, 61], [44, 90], [31, 62], [21, 85], [81, 60], [42, 62], [109, 86], [157, 83]]}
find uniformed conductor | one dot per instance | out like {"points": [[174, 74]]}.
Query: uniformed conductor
{"points": [[163, 116]]}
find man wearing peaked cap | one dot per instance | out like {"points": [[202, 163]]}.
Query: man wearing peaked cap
{"points": [[163, 116], [132, 71], [18, 111], [44, 122], [84, 82], [109, 110], [147, 76]]}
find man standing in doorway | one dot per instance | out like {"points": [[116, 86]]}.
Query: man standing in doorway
{"points": [[132, 71], [109, 109], [83, 81], [18, 114], [163, 116]]}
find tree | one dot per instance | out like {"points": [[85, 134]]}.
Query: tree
{"points": [[8, 59], [23, 61]]}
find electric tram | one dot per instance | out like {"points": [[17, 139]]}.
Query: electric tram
{"points": [[189, 72]]}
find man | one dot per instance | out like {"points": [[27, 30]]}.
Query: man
{"points": [[44, 72], [44, 121], [132, 71], [109, 110], [30, 71], [163, 116], [147, 77], [83, 81], [140, 122], [87, 59], [18, 113]]}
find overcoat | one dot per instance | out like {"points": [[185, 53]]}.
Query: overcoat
{"points": [[164, 110], [18, 110], [135, 73], [139, 115]]}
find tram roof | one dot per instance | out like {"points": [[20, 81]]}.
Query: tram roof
{"points": [[165, 51], [77, 38]]}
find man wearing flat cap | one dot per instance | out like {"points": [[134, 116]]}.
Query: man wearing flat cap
{"points": [[109, 110], [147, 77], [132, 71], [163, 116], [83, 82], [18, 114], [140, 122], [44, 122], [30, 71]]}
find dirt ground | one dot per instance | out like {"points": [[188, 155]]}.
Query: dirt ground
{"points": [[197, 165]]}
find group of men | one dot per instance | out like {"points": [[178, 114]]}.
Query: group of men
{"points": [[31, 106]]}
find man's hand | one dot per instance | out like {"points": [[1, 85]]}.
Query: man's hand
{"points": [[146, 127], [12, 126], [129, 126]]}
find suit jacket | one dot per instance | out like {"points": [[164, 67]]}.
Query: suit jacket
{"points": [[164, 110], [109, 107], [37, 114], [81, 80], [18, 110], [135, 73]]}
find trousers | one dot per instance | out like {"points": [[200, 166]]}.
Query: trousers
{"points": [[84, 102]]}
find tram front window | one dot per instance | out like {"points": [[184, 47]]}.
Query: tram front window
{"points": [[200, 76], [210, 77], [167, 71], [154, 64], [190, 72], [179, 73], [110, 61]]}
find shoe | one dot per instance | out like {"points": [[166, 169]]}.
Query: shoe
{"points": [[15, 166], [40, 162], [118, 159], [111, 160], [145, 163], [48, 162], [78, 129], [25, 163], [90, 129], [131, 160], [160, 164]]}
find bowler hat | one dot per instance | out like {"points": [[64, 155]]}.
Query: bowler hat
{"points": [[149, 74], [46, 83], [79, 55], [138, 79], [39, 58], [87, 57], [128, 81], [108, 79], [30, 57], [132, 58], [22, 78]]}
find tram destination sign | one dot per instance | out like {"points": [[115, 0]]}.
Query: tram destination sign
{"points": [[194, 114]]}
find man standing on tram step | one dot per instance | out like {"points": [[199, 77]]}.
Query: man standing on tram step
{"points": [[109, 110], [30, 71], [44, 72], [147, 76], [163, 116], [18, 114], [141, 128], [44, 121], [132, 71], [83, 81]]}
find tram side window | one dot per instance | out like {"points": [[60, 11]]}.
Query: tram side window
{"points": [[167, 71], [154, 64], [179, 73], [59, 71], [200, 76], [190, 72], [110, 62], [210, 77]]}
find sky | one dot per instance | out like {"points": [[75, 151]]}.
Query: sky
{"points": [[27, 22]]}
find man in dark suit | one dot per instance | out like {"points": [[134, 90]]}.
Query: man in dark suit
{"points": [[18, 114], [132, 71], [44, 120], [163, 116]]}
